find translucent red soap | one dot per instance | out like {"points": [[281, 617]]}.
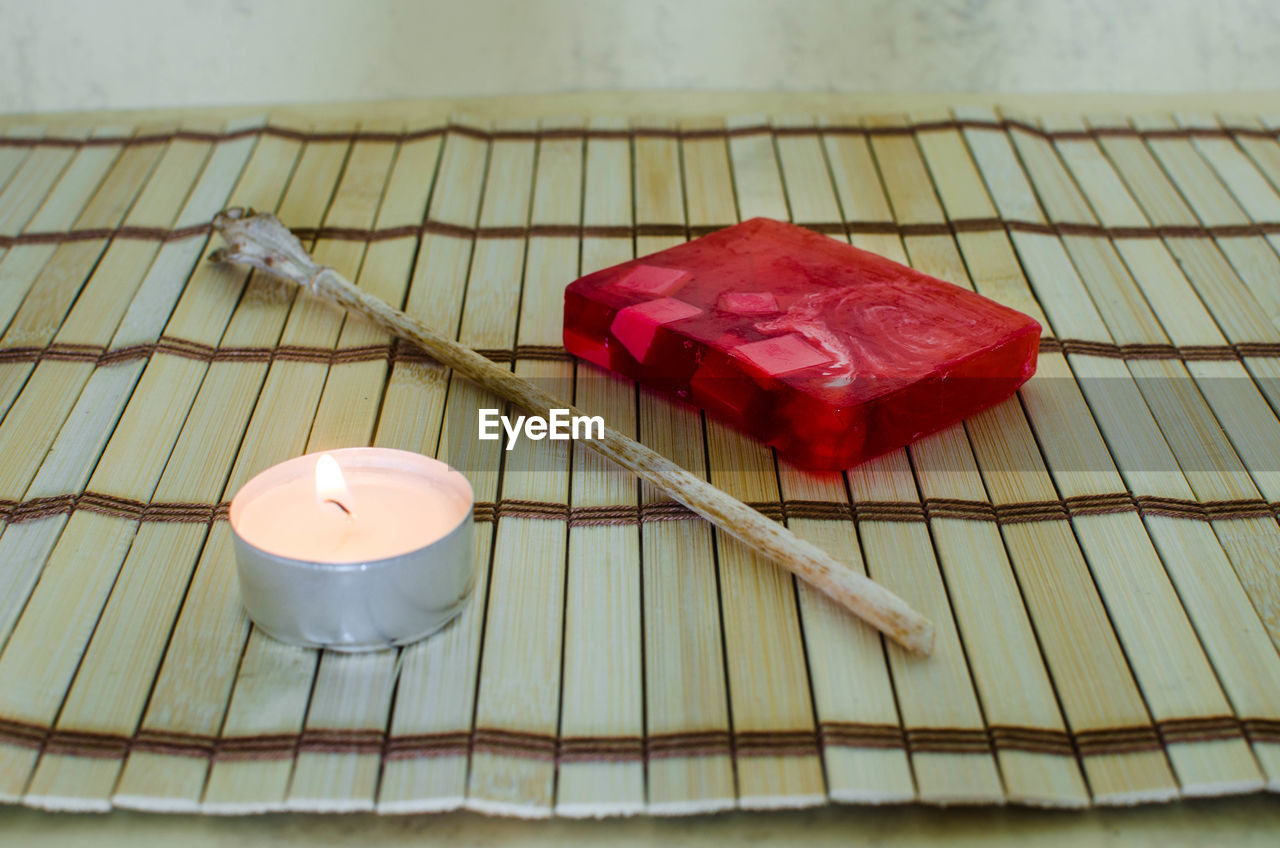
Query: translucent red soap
{"points": [[828, 353]]}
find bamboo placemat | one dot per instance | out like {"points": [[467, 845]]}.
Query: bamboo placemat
{"points": [[1100, 554]]}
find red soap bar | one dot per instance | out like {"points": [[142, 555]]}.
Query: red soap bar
{"points": [[828, 353]]}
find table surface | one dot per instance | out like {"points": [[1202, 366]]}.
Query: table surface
{"points": [[1237, 821], [1243, 822]]}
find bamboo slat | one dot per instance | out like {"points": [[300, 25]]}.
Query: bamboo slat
{"points": [[1246, 182], [62, 608], [1131, 320], [425, 767], [1265, 153], [690, 769], [1248, 541], [29, 175], [72, 178], [1083, 654], [603, 689], [520, 672], [51, 295], [764, 647], [941, 773], [1212, 203], [1175, 675], [128, 638], [11, 158], [339, 759], [274, 682], [1231, 274], [972, 554], [188, 702], [902, 555], [1188, 323], [1080, 460], [349, 696], [41, 285], [852, 688], [210, 310], [18, 269], [1098, 553], [1217, 604]]}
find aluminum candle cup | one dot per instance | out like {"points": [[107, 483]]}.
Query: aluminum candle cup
{"points": [[375, 554]]}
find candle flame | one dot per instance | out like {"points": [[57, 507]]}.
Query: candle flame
{"points": [[331, 486]]}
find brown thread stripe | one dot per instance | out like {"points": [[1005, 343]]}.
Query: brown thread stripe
{"points": [[1017, 513], [87, 744], [609, 749], [514, 743], [265, 747], [17, 512], [552, 353], [819, 510], [484, 513], [856, 735], [1117, 740], [175, 743], [1097, 742], [413, 746], [776, 743], [160, 234], [888, 511], [1251, 508], [185, 513], [1101, 504], [111, 505], [1262, 730], [1204, 729], [404, 352], [956, 508], [680, 230], [369, 136], [706, 743], [1036, 740], [22, 734], [396, 352], [533, 509], [590, 516], [341, 741], [948, 740], [1172, 507], [666, 511]]}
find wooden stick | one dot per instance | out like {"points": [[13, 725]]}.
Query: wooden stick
{"points": [[262, 241]]}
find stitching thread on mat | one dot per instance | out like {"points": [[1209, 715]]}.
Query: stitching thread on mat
{"points": [[505, 742], [17, 512], [401, 352], [441, 228], [1003, 125]]}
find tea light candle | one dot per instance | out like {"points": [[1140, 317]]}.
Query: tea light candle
{"points": [[354, 549]]}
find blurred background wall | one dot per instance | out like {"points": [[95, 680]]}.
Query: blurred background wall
{"points": [[91, 54]]}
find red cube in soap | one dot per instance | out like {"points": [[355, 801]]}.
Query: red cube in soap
{"points": [[828, 353]]}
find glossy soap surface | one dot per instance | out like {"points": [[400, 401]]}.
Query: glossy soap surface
{"points": [[828, 353]]}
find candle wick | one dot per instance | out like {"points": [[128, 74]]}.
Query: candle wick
{"points": [[339, 504]]}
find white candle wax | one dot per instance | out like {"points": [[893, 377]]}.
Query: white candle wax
{"points": [[392, 512], [379, 554]]}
